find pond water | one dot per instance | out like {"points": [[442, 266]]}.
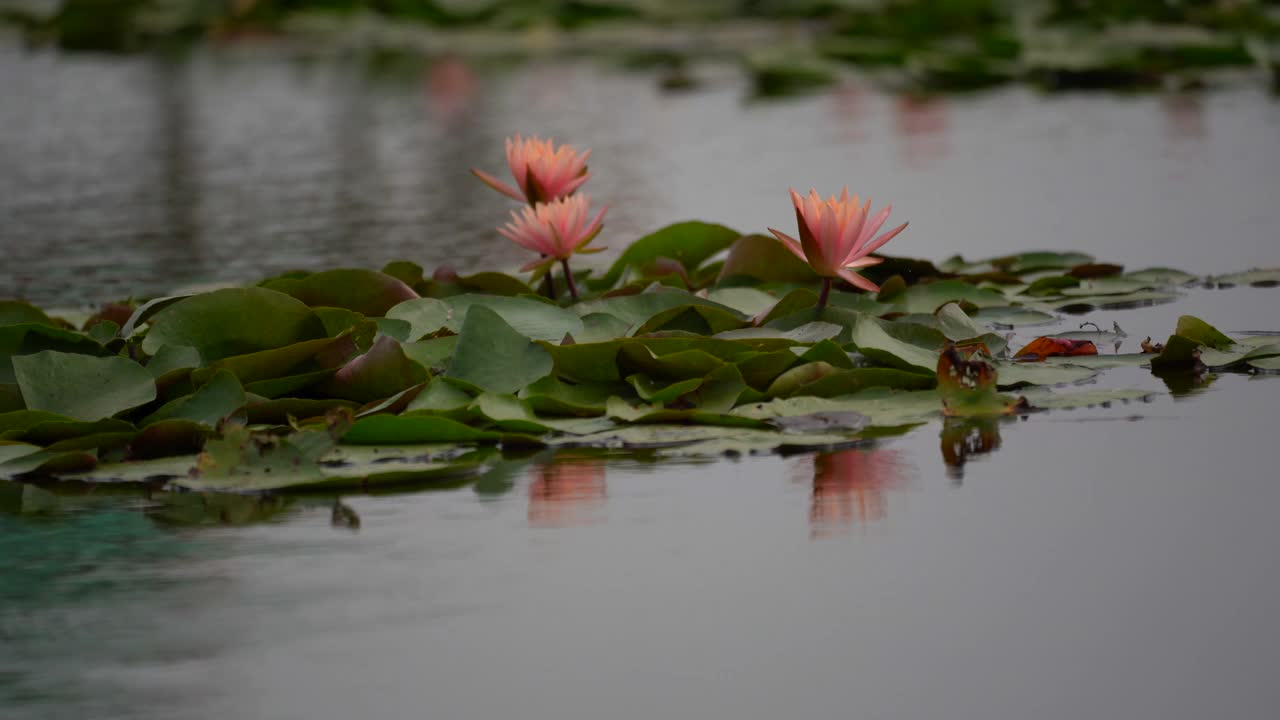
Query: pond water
{"points": [[1106, 562]]}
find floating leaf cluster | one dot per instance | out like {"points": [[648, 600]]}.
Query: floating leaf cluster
{"points": [[697, 341], [925, 44]]}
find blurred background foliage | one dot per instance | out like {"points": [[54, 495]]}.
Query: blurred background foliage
{"points": [[940, 44]]}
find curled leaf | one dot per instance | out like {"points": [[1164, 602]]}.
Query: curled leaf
{"points": [[1046, 347]]}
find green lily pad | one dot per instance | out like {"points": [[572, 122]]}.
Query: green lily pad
{"points": [[1239, 355], [301, 358], [1162, 276], [441, 398], [1041, 260], [1012, 316], [415, 429], [884, 408], [278, 411], [621, 410], [236, 321], [529, 317], [680, 365], [927, 297], [339, 320], [661, 393], [1141, 298], [873, 339], [1017, 374], [688, 243], [82, 387], [432, 354], [1052, 285], [552, 396], [25, 339], [289, 385], [509, 413], [494, 356], [367, 292], [637, 309], [173, 357], [381, 372], [424, 315], [957, 326], [1105, 286], [218, 398], [1202, 333], [1265, 277], [1269, 364], [48, 463], [494, 283], [602, 327], [746, 300], [1179, 354], [762, 258], [341, 469], [759, 369], [848, 382], [697, 319], [16, 312]]}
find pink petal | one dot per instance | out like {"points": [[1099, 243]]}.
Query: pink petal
{"points": [[532, 264], [872, 227], [498, 185], [880, 241], [863, 262], [857, 280], [790, 243]]}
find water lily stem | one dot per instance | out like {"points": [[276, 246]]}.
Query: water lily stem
{"points": [[826, 292], [549, 285], [568, 279]]}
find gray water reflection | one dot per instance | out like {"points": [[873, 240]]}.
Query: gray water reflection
{"points": [[1093, 566], [1107, 562], [127, 175]]}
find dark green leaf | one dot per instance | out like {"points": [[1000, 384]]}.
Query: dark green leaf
{"points": [[232, 322], [218, 398], [80, 386], [367, 292], [689, 243], [493, 356]]}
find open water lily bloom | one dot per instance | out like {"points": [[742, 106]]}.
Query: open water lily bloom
{"points": [[542, 171], [836, 236], [555, 230]]}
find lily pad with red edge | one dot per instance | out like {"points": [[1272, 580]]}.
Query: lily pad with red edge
{"points": [[1047, 347]]}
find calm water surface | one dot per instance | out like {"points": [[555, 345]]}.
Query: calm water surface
{"points": [[1101, 563]]}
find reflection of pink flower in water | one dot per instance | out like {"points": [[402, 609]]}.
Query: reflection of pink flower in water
{"points": [[849, 101], [566, 492], [850, 486], [1184, 115], [450, 86], [921, 126]]}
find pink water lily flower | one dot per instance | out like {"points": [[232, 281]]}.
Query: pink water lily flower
{"points": [[542, 171], [555, 230], [836, 237]]}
